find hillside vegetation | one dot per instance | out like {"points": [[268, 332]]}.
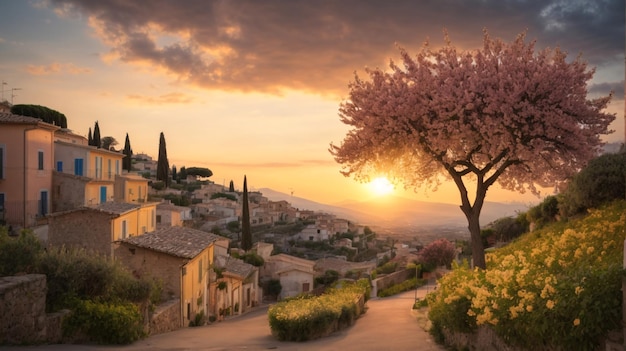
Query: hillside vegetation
{"points": [[555, 288]]}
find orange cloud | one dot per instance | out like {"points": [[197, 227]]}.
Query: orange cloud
{"points": [[171, 98], [56, 68]]}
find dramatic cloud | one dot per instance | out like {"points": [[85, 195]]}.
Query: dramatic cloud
{"points": [[605, 88], [315, 46], [56, 68]]}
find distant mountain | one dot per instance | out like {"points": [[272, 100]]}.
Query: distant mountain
{"points": [[394, 211]]}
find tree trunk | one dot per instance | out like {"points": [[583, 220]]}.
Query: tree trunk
{"points": [[478, 250]]}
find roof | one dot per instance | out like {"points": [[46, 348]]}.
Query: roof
{"points": [[91, 148], [234, 265], [9, 118], [171, 207], [117, 207], [176, 241], [291, 259]]}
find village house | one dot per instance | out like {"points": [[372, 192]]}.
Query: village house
{"points": [[235, 287], [97, 228], [181, 258], [311, 233], [131, 188], [296, 275], [206, 191], [170, 215], [85, 175], [26, 167]]}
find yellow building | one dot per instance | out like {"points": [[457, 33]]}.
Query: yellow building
{"points": [[181, 258]]}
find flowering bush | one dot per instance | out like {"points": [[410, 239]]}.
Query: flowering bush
{"points": [[307, 318], [438, 253], [556, 288]]}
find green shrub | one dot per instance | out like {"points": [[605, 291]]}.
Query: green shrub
{"points": [[406, 285], [307, 318], [387, 268], [18, 255], [105, 323]]}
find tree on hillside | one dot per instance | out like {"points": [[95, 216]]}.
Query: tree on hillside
{"points": [[108, 143], [89, 138], [602, 181], [182, 175], [231, 187], [246, 233], [45, 114], [501, 113], [199, 172], [174, 174], [128, 154], [163, 165], [97, 142]]}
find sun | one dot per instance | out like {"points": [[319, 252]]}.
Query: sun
{"points": [[381, 186]]}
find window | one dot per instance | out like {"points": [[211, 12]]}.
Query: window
{"points": [[305, 287], [59, 166], [40, 160], [158, 219], [2, 148], [1, 202], [153, 218], [200, 271], [43, 203], [78, 166], [109, 168], [98, 167], [117, 167], [124, 234]]}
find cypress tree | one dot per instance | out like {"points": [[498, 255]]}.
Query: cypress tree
{"points": [[128, 154], [246, 234], [96, 136], [89, 138], [231, 188], [163, 166], [174, 173]]}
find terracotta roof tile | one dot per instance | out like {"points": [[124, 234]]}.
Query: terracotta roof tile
{"points": [[176, 241]]}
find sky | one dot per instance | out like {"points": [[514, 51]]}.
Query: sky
{"points": [[248, 87]]}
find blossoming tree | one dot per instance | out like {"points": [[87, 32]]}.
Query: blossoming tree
{"points": [[502, 113]]}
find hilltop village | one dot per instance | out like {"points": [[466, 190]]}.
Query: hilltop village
{"points": [[71, 194]]}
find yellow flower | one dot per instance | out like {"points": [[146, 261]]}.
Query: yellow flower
{"points": [[576, 322], [550, 304], [529, 308], [578, 290]]}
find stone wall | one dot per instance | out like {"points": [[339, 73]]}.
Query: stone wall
{"points": [[23, 309], [166, 317], [391, 279]]}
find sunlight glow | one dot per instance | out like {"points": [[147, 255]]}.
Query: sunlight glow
{"points": [[381, 186]]}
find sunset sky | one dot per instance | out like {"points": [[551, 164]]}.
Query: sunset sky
{"points": [[253, 87]]}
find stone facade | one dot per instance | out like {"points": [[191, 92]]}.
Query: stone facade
{"points": [[23, 309], [166, 318], [68, 229]]}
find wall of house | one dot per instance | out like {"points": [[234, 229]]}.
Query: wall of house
{"points": [[69, 192], [138, 222], [88, 229], [131, 188], [93, 189], [149, 263], [293, 281], [195, 279], [23, 309], [22, 185]]}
